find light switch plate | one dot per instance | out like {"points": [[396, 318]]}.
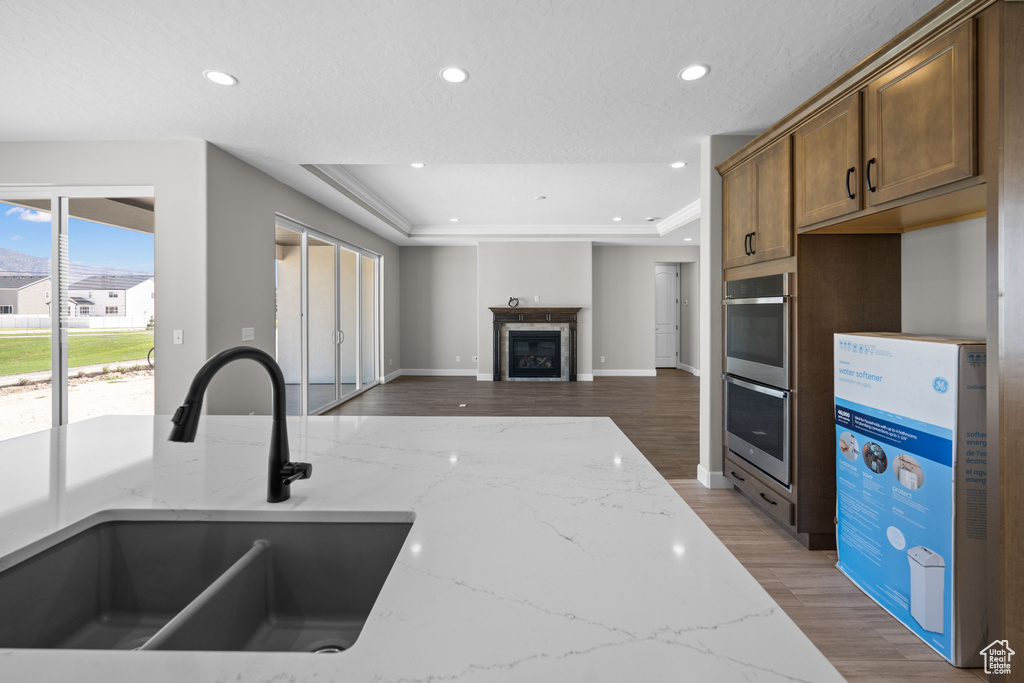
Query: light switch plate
{"points": [[248, 333], [179, 337]]}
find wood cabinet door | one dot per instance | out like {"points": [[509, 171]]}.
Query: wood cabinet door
{"points": [[773, 202], [826, 164], [920, 120], [737, 215]]}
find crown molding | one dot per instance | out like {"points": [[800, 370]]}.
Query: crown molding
{"points": [[342, 181], [687, 214]]}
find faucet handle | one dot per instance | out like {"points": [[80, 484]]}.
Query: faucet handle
{"points": [[296, 470]]}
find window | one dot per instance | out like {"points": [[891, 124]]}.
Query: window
{"points": [[111, 310], [111, 295], [83, 310], [6, 309]]}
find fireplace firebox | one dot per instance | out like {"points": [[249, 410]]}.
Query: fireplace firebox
{"points": [[535, 353]]}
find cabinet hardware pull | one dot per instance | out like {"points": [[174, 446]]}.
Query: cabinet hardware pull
{"points": [[867, 173], [849, 172], [746, 241], [752, 249], [733, 473], [769, 499]]}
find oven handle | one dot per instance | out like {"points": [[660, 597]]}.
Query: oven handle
{"points": [[762, 300], [778, 393]]}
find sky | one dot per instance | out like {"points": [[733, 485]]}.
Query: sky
{"points": [[91, 244]]}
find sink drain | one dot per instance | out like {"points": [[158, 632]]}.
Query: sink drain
{"points": [[328, 649]]}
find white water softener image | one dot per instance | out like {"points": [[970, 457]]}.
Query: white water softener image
{"points": [[927, 585]]}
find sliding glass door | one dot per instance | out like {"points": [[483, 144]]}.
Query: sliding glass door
{"points": [[327, 317], [77, 304]]}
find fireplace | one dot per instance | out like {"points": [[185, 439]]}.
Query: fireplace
{"points": [[534, 353], [557, 327]]}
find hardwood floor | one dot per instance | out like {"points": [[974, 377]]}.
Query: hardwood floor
{"points": [[660, 416]]}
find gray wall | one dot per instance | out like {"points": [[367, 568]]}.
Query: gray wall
{"points": [[624, 305], [177, 173], [689, 313], [438, 309], [944, 280], [214, 243], [241, 211], [560, 273]]}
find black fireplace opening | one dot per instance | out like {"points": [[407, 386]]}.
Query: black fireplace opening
{"points": [[534, 353]]}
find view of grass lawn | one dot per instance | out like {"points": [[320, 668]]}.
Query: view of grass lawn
{"points": [[30, 351]]}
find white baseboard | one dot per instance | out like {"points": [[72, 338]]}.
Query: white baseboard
{"points": [[489, 377], [690, 369], [394, 375], [624, 373], [455, 372], [712, 480], [584, 377]]}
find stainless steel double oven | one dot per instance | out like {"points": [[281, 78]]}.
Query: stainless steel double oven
{"points": [[757, 373]]}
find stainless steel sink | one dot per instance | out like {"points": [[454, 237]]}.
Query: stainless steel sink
{"points": [[255, 582]]}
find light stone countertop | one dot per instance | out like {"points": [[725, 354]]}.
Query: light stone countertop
{"points": [[543, 549]]}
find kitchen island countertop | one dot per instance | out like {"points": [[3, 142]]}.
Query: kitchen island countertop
{"points": [[543, 549]]}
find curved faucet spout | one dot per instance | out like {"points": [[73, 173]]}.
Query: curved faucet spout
{"points": [[281, 471]]}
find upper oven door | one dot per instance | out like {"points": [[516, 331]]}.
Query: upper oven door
{"points": [[757, 339]]}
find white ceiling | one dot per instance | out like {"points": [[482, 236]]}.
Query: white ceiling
{"points": [[576, 101]]}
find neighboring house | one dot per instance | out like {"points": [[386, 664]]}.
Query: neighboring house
{"points": [[112, 295], [24, 294]]}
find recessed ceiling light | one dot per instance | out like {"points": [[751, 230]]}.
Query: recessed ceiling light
{"points": [[540, 196], [454, 74], [651, 219], [454, 220], [678, 164], [617, 219], [220, 78], [693, 72], [687, 239], [417, 164]]}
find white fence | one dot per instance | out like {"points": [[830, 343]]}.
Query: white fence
{"points": [[43, 321]]}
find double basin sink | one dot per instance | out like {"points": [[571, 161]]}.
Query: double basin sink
{"points": [[244, 582]]}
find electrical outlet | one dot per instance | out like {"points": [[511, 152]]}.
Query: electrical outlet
{"points": [[602, 359], [390, 363], [179, 337], [248, 333], [458, 359], [536, 298], [476, 359]]}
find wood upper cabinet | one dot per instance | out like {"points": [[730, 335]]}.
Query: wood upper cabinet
{"points": [[757, 203], [827, 164], [920, 120], [737, 215]]}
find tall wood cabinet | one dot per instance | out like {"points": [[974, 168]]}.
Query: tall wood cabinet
{"points": [[901, 136]]}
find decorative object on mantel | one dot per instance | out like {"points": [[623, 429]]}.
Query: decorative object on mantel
{"points": [[513, 302]]}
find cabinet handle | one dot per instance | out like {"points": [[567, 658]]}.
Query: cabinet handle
{"points": [[849, 172], [769, 499], [752, 249], [867, 172], [733, 473], [746, 244]]}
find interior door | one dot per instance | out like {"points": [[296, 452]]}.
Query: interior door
{"points": [[666, 312]]}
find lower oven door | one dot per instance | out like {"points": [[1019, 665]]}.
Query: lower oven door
{"points": [[757, 426]]}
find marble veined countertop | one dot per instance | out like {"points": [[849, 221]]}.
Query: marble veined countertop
{"points": [[543, 549]]}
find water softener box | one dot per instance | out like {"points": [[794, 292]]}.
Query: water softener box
{"points": [[910, 482]]}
